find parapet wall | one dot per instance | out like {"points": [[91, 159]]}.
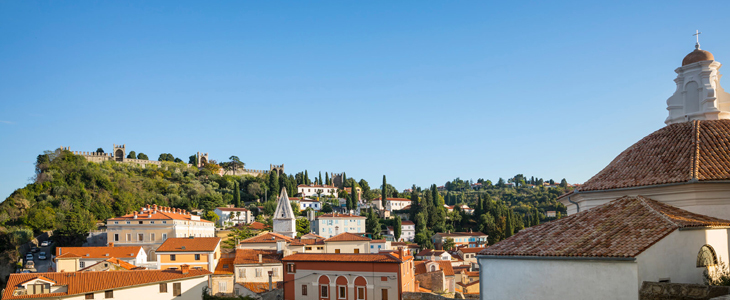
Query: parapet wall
{"points": [[680, 291]]}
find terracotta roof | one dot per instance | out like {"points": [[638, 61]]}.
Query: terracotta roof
{"points": [[469, 283], [268, 237], [311, 236], [393, 199], [332, 215], [224, 267], [67, 255], [87, 282], [194, 244], [471, 250], [166, 214], [378, 241], [258, 226], [423, 290], [251, 256], [407, 223], [444, 265], [304, 242], [458, 269], [346, 237], [260, 287], [409, 245], [115, 261], [680, 152], [317, 186], [472, 274], [624, 227], [448, 234], [231, 209], [343, 257], [429, 252], [99, 252], [308, 200]]}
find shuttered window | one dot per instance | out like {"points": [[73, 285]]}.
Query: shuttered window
{"points": [[176, 289], [163, 287]]}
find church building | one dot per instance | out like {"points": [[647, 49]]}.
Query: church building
{"points": [[285, 222], [658, 212]]}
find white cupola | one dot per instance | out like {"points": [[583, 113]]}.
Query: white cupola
{"points": [[699, 95]]}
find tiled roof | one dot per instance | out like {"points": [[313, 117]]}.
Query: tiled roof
{"points": [[393, 199], [303, 242], [260, 287], [679, 152], [429, 252], [449, 234], [100, 252], [347, 237], [317, 186], [224, 267], [407, 223], [343, 257], [471, 250], [258, 226], [311, 236], [87, 282], [444, 265], [624, 227], [409, 245], [116, 261], [268, 237], [251, 256], [472, 274], [232, 209], [162, 213], [378, 241], [333, 215], [193, 244]]}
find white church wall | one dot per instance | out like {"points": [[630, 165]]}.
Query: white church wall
{"points": [[675, 256], [557, 279]]}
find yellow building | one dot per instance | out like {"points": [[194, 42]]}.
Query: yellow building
{"points": [[197, 252], [152, 225]]}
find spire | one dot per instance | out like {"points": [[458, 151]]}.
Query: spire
{"points": [[283, 207]]}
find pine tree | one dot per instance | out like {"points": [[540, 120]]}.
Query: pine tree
{"points": [[237, 194], [384, 195]]}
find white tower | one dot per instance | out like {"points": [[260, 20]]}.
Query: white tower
{"points": [[284, 219], [699, 95]]}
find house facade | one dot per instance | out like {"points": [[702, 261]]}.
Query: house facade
{"points": [[202, 253], [313, 190], [233, 216], [329, 225], [72, 259], [461, 239]]}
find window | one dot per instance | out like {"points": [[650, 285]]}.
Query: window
{"points": [[82, 264], [172, 257], [238, 292], [242, 273], [163, 287], [152, 222], [108, 294], [176, 289], [89, 296], [222, 286], [116, 222], [128, 222], [320, 248], [116, 237], [337, 250], [152, 237], [307, 248], [324, 292], [140, 237], [129, 237], [291, 268], [164, 222], [358, 250], [371, 247], [384, 294], [140, 222], [197, 256], [304, 289], [360, 293], [342, 292], [259, 272], [164, 236], [706, 257]]}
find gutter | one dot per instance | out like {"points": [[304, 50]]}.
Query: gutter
{"points": [[584, 258], [576, 203]]}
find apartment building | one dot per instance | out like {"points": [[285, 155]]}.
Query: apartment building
{"points": [[362, 276], [329, 225], [72, 259], [152, 225], [183, 284], [313, 190], [196, 252]]}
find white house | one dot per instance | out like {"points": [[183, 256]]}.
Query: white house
{"points": [[604, 253], [316, 190], [429, 254], [379, 245], [392, 204], [233, 215], [408, 231], [305, 203], [329, 225]]}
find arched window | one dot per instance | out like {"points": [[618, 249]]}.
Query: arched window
{"points": [[706, 257], [341, 287], [324, 287], [360, 288]]}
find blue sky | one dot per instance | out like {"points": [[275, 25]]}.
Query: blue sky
{"points": [[421, 91]]}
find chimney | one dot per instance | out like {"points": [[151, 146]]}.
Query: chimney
{"points": [[147, 206], [111, 244], [401, 253], [261, 258], [417, 285], [184, 269], [135, 214]]}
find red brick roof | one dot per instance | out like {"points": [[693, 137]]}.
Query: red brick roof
{"points": [[333, 215], [347, 237], [224, 267], [99, 252], [258, 226], [676, 153], [471, 250], [624, 227], [444, 265], [407, 223], [115, 261], [268, 237], [162, 213], [260, 287], [429, 252], [195, 244], [343, 257], [311, 236], [87, 282], [251, 256]]}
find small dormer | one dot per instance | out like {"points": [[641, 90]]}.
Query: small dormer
{"points": [[37, 285]]}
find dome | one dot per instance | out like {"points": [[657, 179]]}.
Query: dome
{"points": [[681, 152], [697, 55]]}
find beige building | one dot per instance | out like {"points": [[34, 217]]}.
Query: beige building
{"points": [[197, 252], [72, 259], [310, 243], [329, 225], [184, 284], [232, 216], [152, 225]]}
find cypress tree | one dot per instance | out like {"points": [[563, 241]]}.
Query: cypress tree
{"points": [[383, 196], [327, 178], [344, 179], [537, 216], [237, 194], [508, 228], [274, 183], [353, 196], [306, 177], [320, 178], [397, 228]]}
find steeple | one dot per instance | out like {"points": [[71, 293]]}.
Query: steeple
{"points": [[699, 95], [284, 219]]}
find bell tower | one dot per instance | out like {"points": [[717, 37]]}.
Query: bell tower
{"points": [[285, 221], [699, 95]]}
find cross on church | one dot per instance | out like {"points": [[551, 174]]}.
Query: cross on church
{"points": [[697, 34]]}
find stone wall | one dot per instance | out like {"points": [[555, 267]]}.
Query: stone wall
{"points": [[435, 281], [680, 291], [423, 296]]}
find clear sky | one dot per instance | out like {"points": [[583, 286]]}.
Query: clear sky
{"points": [[421, 91]]}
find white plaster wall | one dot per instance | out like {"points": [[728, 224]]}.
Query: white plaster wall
{"points": [[312, 191], [322, 228], [675, 256], [192, 289], [374, 284], [557, 279]]}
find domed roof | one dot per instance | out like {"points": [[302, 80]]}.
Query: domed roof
{"points": [[697, 55], [681, 152]]}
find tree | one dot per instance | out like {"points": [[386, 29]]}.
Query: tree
{"points": [[397, 228], [327, 178], [237, 194], [193, 159], [302, 226], [142, 156], [132, 154], [212, 216], [166, 157], [238, 234], [274, 182], [326, 208], [563, 183], [353, 197], [384, 194], [99, 150], [448, 244], [306, 177], [320, 178], [372, 225]]}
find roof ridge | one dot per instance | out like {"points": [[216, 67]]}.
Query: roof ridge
{"points": [[696, 153], [660, 214]]}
